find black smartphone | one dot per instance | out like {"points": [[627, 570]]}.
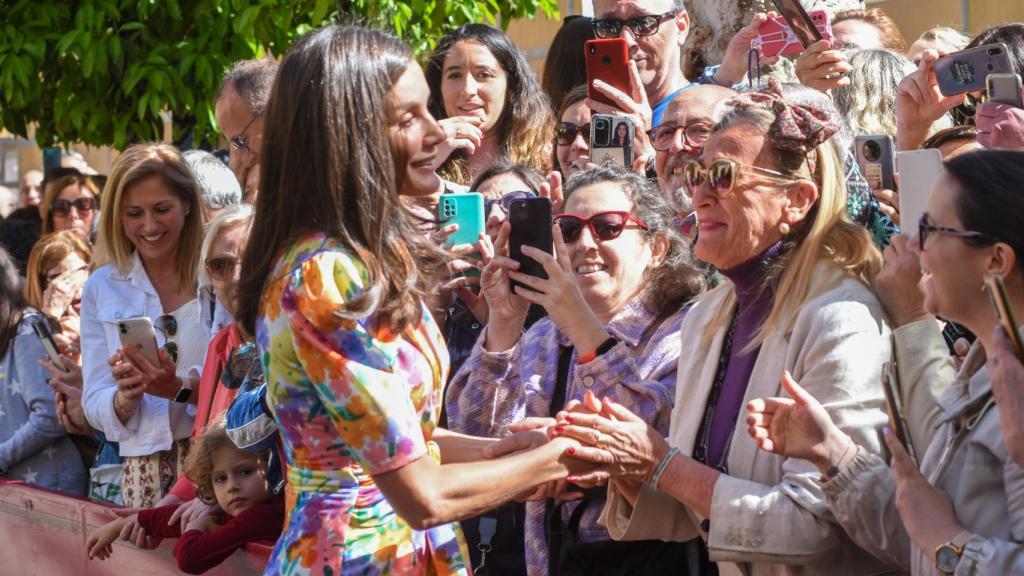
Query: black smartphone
{"points": [[531, 226], [42, 331], [799, 21], [1004, 313], [876, 156], [897, 418]]}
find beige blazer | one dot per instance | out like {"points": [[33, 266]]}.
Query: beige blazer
{"points": [[769, 515]]}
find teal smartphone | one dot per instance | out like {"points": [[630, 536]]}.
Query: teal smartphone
{"points": [[466, 210]]}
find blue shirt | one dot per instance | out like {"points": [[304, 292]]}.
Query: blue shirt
{"points": [[708, 77]]}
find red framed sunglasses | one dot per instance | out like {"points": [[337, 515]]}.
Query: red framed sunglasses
{"points": [[603, 225]]}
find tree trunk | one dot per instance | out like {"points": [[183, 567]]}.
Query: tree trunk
{"points": [[714, 22]]}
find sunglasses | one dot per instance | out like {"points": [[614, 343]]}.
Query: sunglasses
{"points": [[62, 208], [168, 325], [221, 268], [604, 225], [641, 25], [506, 201], [566, 132], [721, 176], [694, 135], [240, 142], [925, 227]]}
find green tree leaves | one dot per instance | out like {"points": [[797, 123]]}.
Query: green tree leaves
{"points": [[101, 72]]}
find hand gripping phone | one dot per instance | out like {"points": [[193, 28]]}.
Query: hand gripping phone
{"points": [[42, 330], [897, 418], [139, 333], [611, 139], [607, 61], [1005, 89], [776, 37], [1001, 302], [466, 210], [800, 23], [530, 219], [967, 70], [876, 156]]}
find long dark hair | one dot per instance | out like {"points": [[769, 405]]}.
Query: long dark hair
{"points": [[12, 302], [327, 166], [565, 66], [990, 201], [524, 128]]}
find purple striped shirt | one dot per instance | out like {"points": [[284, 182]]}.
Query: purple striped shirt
{"points": [[495, 389]]}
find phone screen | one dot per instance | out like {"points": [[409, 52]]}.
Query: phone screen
{"points": [[799, 22]]}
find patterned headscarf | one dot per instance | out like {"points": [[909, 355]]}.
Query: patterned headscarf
{"points": [[797, 128]]}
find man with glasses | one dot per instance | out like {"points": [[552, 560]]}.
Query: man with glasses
{"points": [[238, 107], [655, 31]]}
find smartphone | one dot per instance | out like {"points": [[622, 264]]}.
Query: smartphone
{"points": [[799, 21], [466, 210], [51, 159], [897, 418], [607, 61], [611, 139], [967, 70], [42, 330], [531, 226], [139, 333], [776, 37], [919, 170], [1005, 89], [1001, 302], [876, 156]]}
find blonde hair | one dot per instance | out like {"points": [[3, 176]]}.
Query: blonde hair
{"points": [[950, 38], [825, 235], [199, 464], [134, 165], [48, 252], [868, 102], [226, 219], [53, 189]]}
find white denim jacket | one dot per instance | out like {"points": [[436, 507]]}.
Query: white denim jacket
{"points": [[110, 296]]}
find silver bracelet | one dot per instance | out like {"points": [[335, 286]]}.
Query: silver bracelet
{"points": [[662, 466]]}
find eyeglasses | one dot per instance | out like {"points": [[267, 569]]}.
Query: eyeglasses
{"points": [[62, 208], [565, 133], [641, 25], [222, 267], [604, 225], [240, 142], [694, 135], [506, 201], [721, 176], [925, 227], [168, 325]]}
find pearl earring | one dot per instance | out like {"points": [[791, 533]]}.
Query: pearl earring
{"points": [[784, 228]]}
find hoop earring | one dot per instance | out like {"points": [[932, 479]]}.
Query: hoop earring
{"points": [[784, 228]]}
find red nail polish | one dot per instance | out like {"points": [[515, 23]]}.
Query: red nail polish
{"points": [[568, 418], [559, 429], [570, 450], [573, 479]]}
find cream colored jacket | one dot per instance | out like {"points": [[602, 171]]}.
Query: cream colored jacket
{"points": [[769, 515], [967, 460]]}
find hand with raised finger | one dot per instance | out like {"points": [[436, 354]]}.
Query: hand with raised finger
{"points": [[634, 105], [900, 283], [796, 427], [919, 103], [461, 133], [551, 189], [506, 314], [621, 444], [1007, 373], [560, 295], [159, 380], [442, 235], [734, 63], [926, 511], [1000, 126], [822, 68]]}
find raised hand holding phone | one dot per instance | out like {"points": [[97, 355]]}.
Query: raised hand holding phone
{"points": [[506, 310]]}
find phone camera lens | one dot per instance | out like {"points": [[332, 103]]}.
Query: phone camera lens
{"points": [[593, 50], [872, 151], [993, 51], [606, 60], [124, 329], [991, 66]]}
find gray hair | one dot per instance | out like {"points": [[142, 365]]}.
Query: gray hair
{"points": [[230, 217], [948, 36], [868, 102], [676, 281], [219, 185], [252, 79]]}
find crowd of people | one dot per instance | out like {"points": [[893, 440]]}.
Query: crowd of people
{"points": [[694, 385]]}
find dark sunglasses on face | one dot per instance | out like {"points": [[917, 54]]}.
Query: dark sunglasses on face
{"points": [[221, 267], [925, 227], [604, 225], [61, 207], [566, 132], [505, 201], [169, 326], [694, 135], [641, 25], [722, 175]]}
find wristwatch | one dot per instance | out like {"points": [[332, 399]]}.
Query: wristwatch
{"points": [[185, 392], [947, 556]]}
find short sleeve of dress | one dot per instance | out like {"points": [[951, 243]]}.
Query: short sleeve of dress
{"points": [[359, 370]]}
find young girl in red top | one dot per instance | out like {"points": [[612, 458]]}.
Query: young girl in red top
{"points": [[236, 480]]}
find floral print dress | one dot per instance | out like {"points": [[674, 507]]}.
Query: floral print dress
{"points": [[352, 399]]}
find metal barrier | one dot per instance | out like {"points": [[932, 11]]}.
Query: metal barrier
{"points": [[44, 533]]}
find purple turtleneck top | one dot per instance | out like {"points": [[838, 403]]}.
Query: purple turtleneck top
{"points": [[754, 302]]}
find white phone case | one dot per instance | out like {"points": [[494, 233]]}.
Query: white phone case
{"points": [[139, 333], [919, 171]]}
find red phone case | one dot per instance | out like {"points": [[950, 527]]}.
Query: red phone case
{"points": [[607, 61], [775, 38]]}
